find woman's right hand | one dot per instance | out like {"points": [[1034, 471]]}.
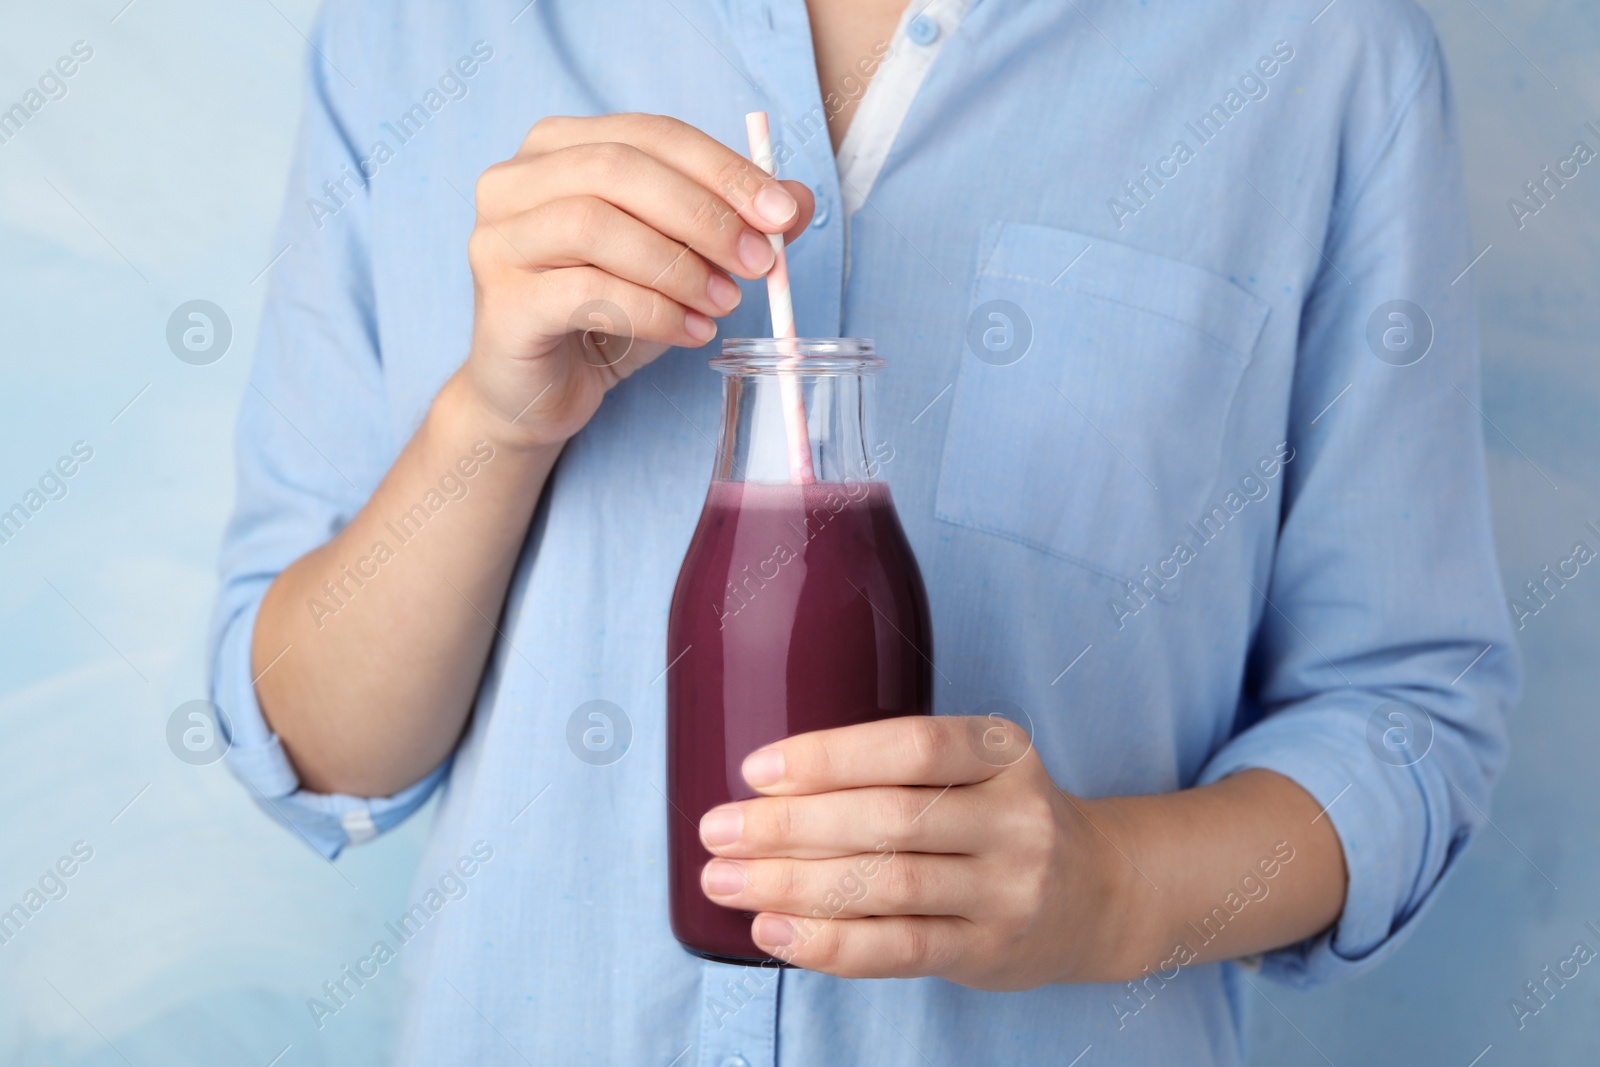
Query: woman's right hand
{"points": [[599, 245]]}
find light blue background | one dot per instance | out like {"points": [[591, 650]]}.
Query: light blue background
{"points": [[199, 929]]}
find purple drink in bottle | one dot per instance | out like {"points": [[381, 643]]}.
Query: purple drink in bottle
{"points": [[799, 607]]}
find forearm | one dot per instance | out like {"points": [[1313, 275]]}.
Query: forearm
{"points": [[368, 651], [1248, 864]]}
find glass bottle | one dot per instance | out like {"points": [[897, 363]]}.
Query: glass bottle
{"points": [[799, 605]]}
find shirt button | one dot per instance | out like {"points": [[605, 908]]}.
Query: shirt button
{"points": [[734, 1061], [923, 30], [822, 213]]}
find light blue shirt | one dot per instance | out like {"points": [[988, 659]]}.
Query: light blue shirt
{"points": [[1182, 394]]}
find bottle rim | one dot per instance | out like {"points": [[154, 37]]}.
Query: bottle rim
{"points": [[799, 355]]}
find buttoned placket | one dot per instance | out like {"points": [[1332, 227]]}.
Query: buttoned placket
{"points": [[774, 39], [739, 1005], [738, 1016]]}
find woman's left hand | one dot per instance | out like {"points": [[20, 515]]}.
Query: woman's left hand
{"points": [[924, 845]]}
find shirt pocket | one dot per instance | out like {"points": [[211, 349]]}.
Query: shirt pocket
{"points": [[1104, 438]]}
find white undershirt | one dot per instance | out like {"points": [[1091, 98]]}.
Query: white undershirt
{"points": [[888, 97]]}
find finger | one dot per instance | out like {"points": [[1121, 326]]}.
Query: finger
{"points": [[760, 199], [886, 947], [808, 208], [846, 823], [889, 883], [560, 301], [638, 183], [911, 750], [586, 230]]}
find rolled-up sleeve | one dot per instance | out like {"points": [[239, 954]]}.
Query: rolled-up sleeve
{"points": [[313, 437], [1384, 662]]}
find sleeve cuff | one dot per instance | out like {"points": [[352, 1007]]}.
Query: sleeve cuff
{"points": [[326, 822], [1394, 848]]}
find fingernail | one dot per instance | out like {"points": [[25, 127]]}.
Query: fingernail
{"points": [[763, 767], [723, 878], [699, 327], [722, 293], [775, 205], [773, 931], [755, 252], [721, 826]]}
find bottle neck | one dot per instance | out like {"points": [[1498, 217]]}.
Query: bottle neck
{"points": [[754, 443]]}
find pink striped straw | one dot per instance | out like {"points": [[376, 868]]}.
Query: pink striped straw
{"points": [[794, 400]]}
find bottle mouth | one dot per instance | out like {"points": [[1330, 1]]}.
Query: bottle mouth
{"points": [[797, 355]]}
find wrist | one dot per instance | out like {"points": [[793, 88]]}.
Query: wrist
{"points": [[462, 411], [1132, 926]]}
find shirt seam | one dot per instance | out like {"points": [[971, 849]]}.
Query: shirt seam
{"points": [[995, 531], [1231, 346], [1346, 207]]}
